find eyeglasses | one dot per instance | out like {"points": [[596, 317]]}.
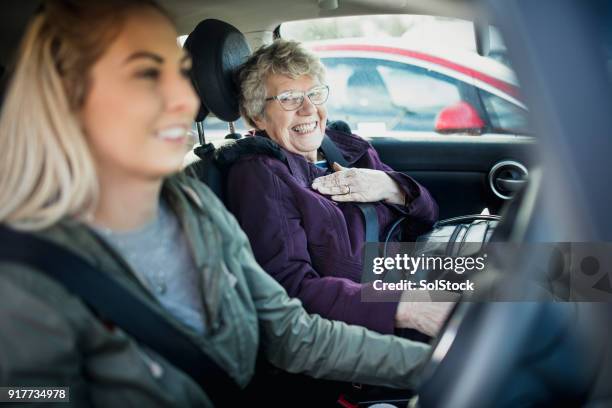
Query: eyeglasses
{"points": [[293, 100]]}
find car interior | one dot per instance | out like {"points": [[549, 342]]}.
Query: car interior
{"points": [[535, 353]]}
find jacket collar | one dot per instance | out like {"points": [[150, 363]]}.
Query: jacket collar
{"points": [[352, 147]]}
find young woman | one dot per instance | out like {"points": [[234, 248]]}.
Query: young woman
{"points": [[93, 130]]}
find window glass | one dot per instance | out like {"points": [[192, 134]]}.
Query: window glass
{"points": [[393, 75], [216, 129], [414, 30], [386, 78], [374, 96]]}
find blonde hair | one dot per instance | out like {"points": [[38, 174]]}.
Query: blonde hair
{"points": [[281, 57], [46, 169]]}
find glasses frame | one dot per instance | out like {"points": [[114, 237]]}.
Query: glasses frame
{"points": [[303, 95]]}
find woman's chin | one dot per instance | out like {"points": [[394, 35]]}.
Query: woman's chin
{"points": [[169, 158], [309, 141], [165, 167]]}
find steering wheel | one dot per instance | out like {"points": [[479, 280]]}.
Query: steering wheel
{"points": [[483, 345]]}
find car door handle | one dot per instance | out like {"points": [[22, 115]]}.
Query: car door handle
{"points": [[510, 185]]}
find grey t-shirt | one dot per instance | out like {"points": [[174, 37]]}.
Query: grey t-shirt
{"points": [[159, 255]]}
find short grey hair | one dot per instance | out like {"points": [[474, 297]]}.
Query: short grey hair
{"points": [[281, 57]]}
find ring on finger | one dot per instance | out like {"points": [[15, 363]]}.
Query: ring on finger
{"points": [[348, 188]]}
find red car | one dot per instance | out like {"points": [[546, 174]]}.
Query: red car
{"points": [[384, 88]]}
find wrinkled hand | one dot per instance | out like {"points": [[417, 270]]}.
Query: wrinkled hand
{"points": [[360, 185], [417, 311]]}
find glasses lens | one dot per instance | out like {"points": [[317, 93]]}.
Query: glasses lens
{"points": [[318, 95], [291, 100]]}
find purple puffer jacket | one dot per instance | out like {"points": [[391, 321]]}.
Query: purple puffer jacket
{"points": [[309, 243]]}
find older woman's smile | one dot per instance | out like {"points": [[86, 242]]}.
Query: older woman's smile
{"points": [[305, 128]]}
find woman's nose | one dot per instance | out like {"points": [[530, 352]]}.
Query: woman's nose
{"points": [[181, 97], [307, 108]]}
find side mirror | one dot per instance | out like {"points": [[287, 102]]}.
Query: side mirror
{"points": [[461, 117]]}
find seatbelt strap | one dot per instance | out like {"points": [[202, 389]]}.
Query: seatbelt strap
{"points": [[113, 301], [333, 154]]}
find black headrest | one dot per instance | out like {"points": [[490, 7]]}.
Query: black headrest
{"points": [[217, 50], [3, 84]]}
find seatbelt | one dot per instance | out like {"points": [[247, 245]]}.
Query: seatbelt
{"points": [[113, 301], [333, 154]]}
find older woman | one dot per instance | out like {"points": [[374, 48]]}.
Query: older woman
{"points": [[301, 217], [92, 165]]}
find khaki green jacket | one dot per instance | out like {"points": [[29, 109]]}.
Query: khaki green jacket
{"points": [[50, 338]]}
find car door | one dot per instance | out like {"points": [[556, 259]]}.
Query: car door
{"points": [[465, 174]]}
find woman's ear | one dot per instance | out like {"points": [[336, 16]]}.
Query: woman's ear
{"points": [[260, 122]]}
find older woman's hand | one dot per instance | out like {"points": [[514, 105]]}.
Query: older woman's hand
{"points": [[360, 185], [417, 311]]}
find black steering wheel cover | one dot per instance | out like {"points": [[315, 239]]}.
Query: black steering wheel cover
{"points": [[217, 50]]}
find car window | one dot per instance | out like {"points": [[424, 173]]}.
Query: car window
{"points": [[374, 96], [402, 75]]}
